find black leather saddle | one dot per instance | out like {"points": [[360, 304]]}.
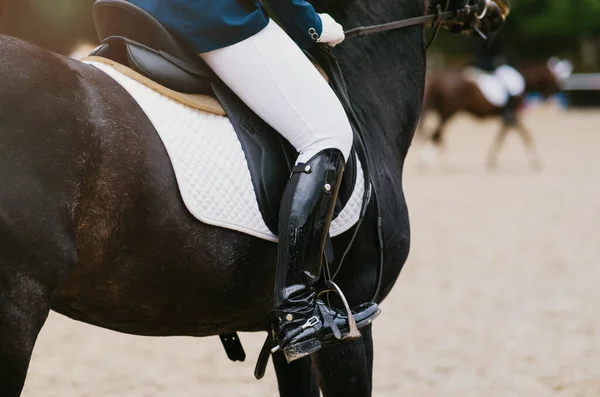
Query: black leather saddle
{"points": [[134, 38]]}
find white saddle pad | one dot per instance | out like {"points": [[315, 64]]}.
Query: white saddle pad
{"points": [[497, 87], [210, 166]]}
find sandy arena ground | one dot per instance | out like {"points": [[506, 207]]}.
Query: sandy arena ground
{"points": [[500, 296]]}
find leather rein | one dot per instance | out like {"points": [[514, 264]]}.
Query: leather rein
{"points": [[437, 20]]}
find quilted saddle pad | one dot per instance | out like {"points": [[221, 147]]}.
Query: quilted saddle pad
{"points": [[209, 163]]}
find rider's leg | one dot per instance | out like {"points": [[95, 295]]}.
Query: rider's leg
{"points": [[274, 78]]}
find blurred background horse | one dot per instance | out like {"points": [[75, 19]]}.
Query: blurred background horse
{"points": [[497, 93], [490, 87]]}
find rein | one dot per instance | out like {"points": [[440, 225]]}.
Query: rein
{"points": [[459, 15]]}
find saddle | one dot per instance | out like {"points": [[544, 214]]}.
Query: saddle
{"points": [[134, 39]]}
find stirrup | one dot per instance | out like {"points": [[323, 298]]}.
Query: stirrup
{"points": [[354, 332]]}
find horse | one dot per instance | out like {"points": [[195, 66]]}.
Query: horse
{"points": [[451, 91], [64, 27], [93, 227]]}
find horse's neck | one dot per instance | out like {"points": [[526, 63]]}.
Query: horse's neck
{"points": [[385, 73]]}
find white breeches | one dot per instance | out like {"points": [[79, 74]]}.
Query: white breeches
{"points": [[278, 82]]}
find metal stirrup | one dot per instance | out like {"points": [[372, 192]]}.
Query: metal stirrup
{"points": [[354, 332]]}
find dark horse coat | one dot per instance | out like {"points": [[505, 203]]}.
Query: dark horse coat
{"points": [[92, 224]]}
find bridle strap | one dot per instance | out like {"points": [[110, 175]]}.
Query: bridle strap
{"points": [[437, 25], [404, 23]]}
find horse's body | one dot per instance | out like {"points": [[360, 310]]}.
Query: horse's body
{"points": [[92, 224], [450, 91]]}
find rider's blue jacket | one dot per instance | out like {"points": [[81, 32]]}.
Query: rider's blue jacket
{"points": [[212, 24]]}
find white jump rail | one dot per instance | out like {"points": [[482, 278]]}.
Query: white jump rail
{"points": [[582, 82]]}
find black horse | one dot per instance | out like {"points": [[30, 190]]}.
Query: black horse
{"points": [[92, 224]]}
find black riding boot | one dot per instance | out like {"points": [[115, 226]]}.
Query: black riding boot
{"points": [[301, 321]]}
